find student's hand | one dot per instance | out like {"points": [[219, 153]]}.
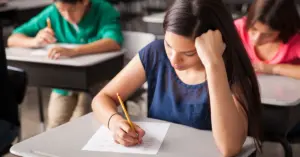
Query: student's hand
{"points": [[123, 134], [210, 48], [44, 37], [57, 52], [263, 68]]}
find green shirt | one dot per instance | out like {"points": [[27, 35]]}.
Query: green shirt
{"points": [[101, 21]]}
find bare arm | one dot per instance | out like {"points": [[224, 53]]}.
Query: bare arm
{"points": [[102, 45], [288, 70], [125, 83], [229, 121], [42, 38], [20, 40]]}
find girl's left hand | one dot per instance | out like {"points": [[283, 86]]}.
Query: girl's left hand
{"points": [[210, 48], [58, 52]]}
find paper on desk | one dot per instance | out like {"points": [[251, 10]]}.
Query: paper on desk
{"points": [[103, 141], [44, 51], [62, 45], [39, 52]]}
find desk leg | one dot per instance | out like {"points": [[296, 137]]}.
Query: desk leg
{"points": [[287, 147], [285, 144], [41, 109]]}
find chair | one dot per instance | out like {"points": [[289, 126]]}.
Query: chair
{"points": [[13, 83], [133, 43], [278, 121]]}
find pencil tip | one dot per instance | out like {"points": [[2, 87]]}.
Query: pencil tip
{"points": [[118, 94]]}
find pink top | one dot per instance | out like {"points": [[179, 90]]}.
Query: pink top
{"points": [[288, 53]]}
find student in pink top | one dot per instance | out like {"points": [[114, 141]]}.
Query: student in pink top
{"points": [[271, 36]]}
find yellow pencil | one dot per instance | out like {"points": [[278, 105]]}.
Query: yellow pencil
{"points": [[126, 113], [48, 23]]}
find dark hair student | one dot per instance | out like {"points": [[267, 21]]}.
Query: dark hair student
{"points": [[199, 76]]}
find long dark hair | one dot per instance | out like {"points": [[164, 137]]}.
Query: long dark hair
{"points": [[191, 18], [280, 15]]}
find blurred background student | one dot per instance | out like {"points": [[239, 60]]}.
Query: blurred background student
{"points": [[92, 23], [271, 35]]}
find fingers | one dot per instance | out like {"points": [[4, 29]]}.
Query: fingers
{"points": [[124, 138], [54, 53], [140, 132], [127, 129], [49, 31], [47, 35], [127, 136]]}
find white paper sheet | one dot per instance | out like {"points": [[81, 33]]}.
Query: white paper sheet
{"points": [[62, 45], [44, 51], [39, 52], [103, 141]]}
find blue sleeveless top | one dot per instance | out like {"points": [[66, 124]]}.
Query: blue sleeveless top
{"points": [[169, 98]]}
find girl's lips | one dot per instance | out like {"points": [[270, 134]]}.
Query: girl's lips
{"points": [[177, 67]]}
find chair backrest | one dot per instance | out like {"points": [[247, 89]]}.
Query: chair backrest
{"points": [[135, 41], [8, 105]]}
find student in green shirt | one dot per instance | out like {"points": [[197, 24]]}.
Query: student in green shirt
{"points": [[92, 23]]}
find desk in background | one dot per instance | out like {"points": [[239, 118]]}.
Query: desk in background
{"points": [[67, 141], [281, 98], [279, 90], [155, 21], [23, 9], [78, 73]]}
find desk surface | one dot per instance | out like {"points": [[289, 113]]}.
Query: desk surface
{"points": [[155, 18], [159, 17], [68, 140], [28, 4], [25, 55], [279, 90]]}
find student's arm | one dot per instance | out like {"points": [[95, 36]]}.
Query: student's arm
{"points": [[109, 37], [102, 45], [33, 32], [289, 70], [20, 40], [43, 37], [229, 121], [105, 103]]}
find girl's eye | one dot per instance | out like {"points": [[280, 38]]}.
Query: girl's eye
{"points": [[190, 53]]}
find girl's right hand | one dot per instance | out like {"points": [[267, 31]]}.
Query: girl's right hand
{"points": [[44, 37], [123, 134]]}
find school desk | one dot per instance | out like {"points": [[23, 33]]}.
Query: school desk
{"points": [[78, 73], [67, 141], [281, 98]]}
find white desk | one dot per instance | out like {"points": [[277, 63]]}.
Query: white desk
{"points": [[154, 23], [158, 18], [155, 18], [28, 4], [78, 73], [281, 96], [68, 140], [279, 90], [24, 54]]}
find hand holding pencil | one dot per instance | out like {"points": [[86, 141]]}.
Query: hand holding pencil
{"points": [[44, 36], [125, 132]]}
